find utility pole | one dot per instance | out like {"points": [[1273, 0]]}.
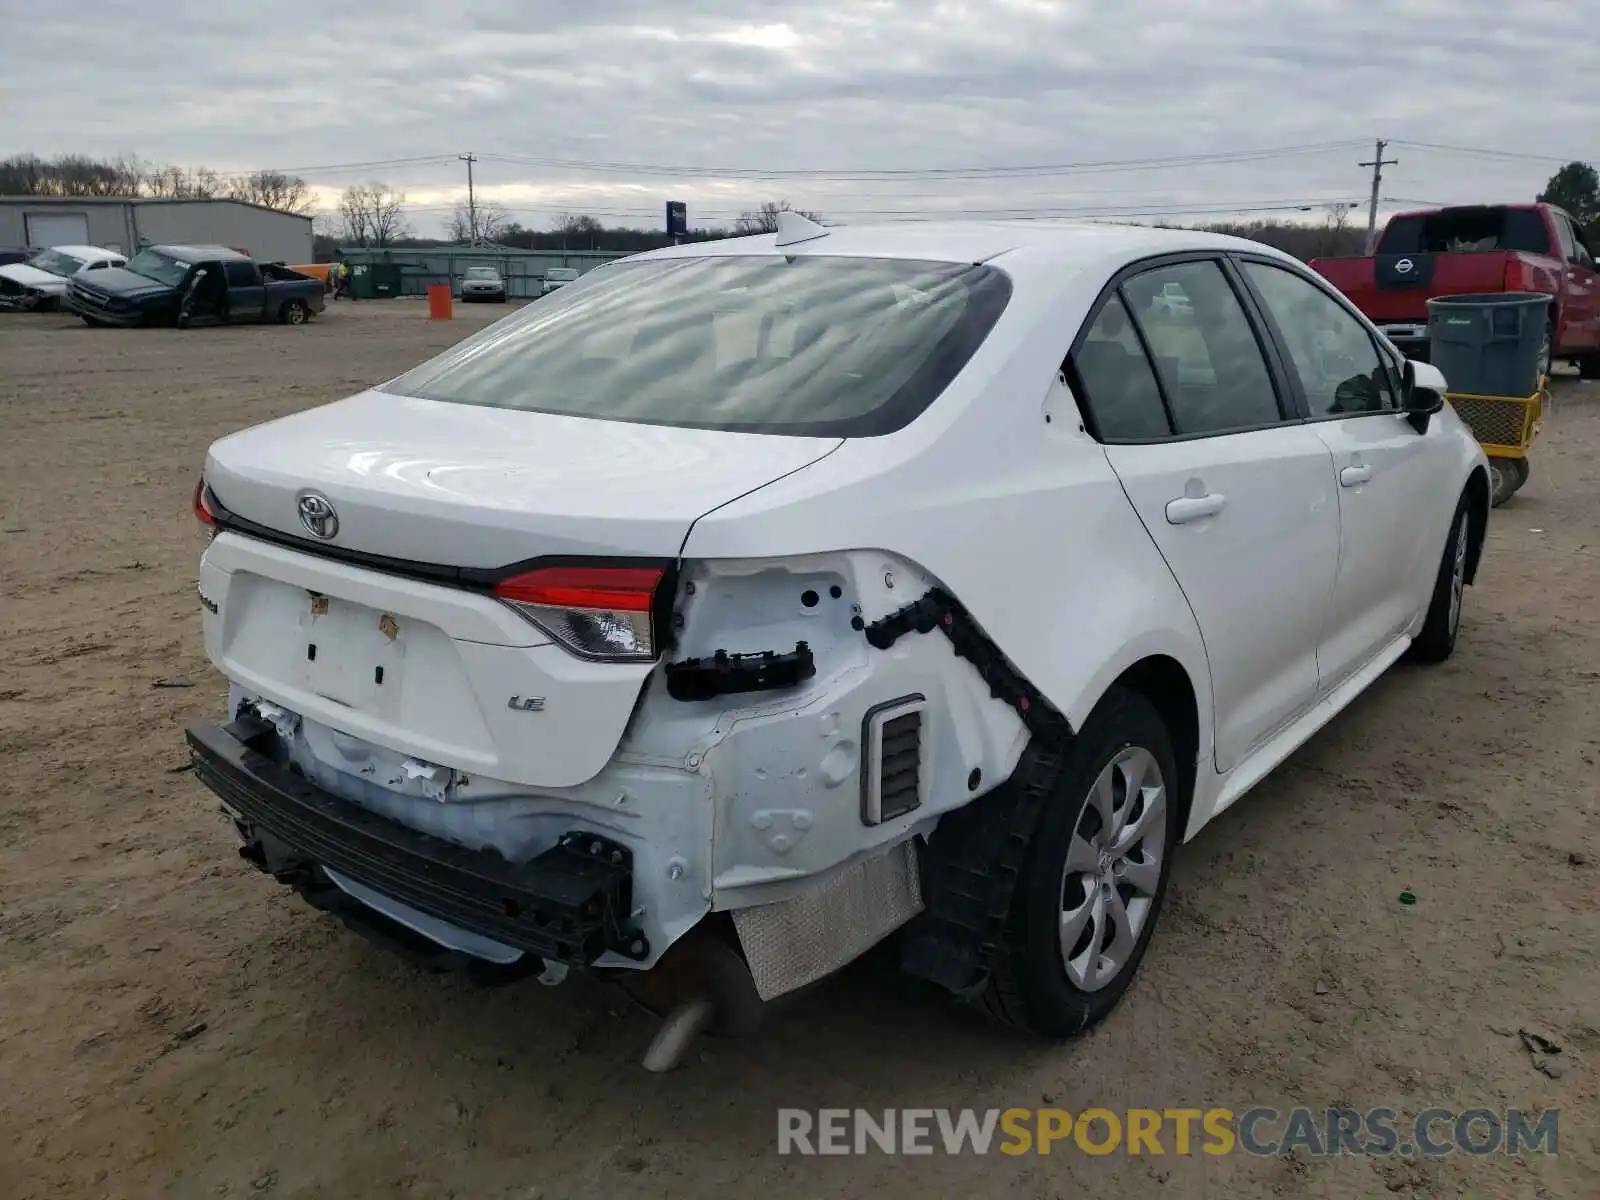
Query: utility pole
{"points": [[1377, 164], [472, 204]]}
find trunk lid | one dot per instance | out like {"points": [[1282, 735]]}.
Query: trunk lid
{"points": [[465, 486], [386, 660]]}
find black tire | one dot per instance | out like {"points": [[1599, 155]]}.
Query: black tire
{"points": [[294, 313], [1030, 987], [1438, 637], [1589, 366], [1502, 480], [1520, 466]]}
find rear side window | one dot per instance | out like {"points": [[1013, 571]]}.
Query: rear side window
{"points": [[1116, 382], [810, 345], [240, 274], [1334, 357], [1206, 354]]}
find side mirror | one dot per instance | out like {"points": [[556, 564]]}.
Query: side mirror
{"points": [[1422, 388]]}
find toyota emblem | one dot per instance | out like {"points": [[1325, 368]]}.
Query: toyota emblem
{"points": [[317, 515], [1404, 266]]}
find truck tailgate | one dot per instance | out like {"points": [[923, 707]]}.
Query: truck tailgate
{"points": [[1397, 287]]}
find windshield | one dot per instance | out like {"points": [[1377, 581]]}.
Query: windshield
{"points": [[1466, 230], [160, 267], [481, 273], [824, 347], [56, 262]]}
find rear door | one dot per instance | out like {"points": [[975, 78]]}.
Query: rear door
{"points": [[1388, 475], [1238, 496], [247, 295], [1581, 320]]}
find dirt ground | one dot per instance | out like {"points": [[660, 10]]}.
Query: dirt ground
{"points": [[174, 1024]]}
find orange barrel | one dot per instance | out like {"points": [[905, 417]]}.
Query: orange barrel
{"points": [[439, 301]]}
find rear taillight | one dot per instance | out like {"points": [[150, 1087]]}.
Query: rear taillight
{"points": [[203, 511], [604, 613]]}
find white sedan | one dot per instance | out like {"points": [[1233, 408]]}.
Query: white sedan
{"points": [[758, 599], [42, 281]]}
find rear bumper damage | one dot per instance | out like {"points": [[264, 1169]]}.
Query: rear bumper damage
{"points": [[569, 905]]}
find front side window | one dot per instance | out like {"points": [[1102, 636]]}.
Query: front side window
{"points": [[1339, 367], [1206, 354], [814, 346]]}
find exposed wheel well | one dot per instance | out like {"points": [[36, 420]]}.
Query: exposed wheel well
{"points": [[1477, 491], [1165, 683]]}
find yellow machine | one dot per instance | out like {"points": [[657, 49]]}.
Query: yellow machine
{"points": [[1505, 427]]}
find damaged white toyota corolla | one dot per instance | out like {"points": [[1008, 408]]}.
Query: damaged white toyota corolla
{"points": [[743, 603]]}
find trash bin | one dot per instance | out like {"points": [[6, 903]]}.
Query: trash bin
{"points": [[439, 302], [1489, 345], [385, 279]]}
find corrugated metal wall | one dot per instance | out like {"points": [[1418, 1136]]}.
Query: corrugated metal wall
{"points": [[523, 270], [268, 236]]}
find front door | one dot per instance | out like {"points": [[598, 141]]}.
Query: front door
{"points": [[1385, 472], [1240, 500]]}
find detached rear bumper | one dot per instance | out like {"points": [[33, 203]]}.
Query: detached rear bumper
{"points": [[570, 904]]}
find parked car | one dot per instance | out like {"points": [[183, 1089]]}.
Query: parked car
{"points": [[482, 284], [14, 254], [557, 277], [195, 285], [931, 590], [1171, 300], [41, 282], [1473, 250]]}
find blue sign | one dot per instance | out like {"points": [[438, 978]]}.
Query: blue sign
{"points": [[677, 218]]}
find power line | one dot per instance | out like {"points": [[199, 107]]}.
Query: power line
{"points": [[1484, 152], [844, 174]]}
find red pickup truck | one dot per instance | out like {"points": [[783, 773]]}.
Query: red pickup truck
{"points": [[1471, 250]]}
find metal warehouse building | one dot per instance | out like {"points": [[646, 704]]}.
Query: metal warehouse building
{"points": [[129, 225]]}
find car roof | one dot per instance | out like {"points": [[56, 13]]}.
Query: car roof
{"points": [[87, 251], [219, 253], [978, 241]]}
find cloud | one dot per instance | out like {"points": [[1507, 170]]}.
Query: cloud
{"points": [[700, 102]]}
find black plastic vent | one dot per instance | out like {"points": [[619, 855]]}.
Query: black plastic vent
{"points": [[892, 779]]}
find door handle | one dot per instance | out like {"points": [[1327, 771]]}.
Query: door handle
{"points": [[1351, 476], [1194, 508]]}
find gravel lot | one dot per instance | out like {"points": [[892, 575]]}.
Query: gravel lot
{"points": [[173, 1024]]}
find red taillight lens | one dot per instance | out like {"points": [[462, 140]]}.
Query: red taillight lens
{"points": [[629, 589], [595, 612], [202, 505]]}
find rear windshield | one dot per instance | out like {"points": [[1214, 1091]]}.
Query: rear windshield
{"points": [[823, 347], [1465, 230]]}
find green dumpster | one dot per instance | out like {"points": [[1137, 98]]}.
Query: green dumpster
{"points": [[385, 279]]}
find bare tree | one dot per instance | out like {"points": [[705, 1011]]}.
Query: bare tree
{"points": [[765, 218], [576, 228], [493, 223], [272, 189], [372, 214]]}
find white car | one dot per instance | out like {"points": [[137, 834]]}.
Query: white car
{"points": [[483, 284], [42, 281], [557, 277], [764, 597]]}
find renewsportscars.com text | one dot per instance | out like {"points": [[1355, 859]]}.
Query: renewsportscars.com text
{"points": [[1265, 1132]]}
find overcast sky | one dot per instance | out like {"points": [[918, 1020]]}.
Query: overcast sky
{"points": [[612, 106]]}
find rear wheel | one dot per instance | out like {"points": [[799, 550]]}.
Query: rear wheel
{"points": [[1087, 899], [294, 313], [1438, 637]]}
